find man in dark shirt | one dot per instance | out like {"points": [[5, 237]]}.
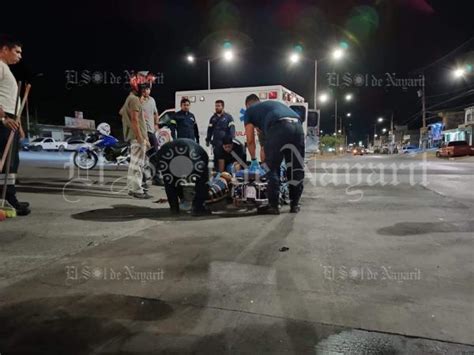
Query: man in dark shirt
{"points": [[284, 138], [230, 156], [183, 124]]}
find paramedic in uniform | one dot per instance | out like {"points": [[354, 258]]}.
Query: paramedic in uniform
{"points": [[284, 138], [221, 125], [183, 124]]}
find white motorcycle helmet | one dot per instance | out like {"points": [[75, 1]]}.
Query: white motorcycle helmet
{"points": [[104, 129]]}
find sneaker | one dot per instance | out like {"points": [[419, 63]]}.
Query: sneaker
{"points": [[295, 209], [21, 210], [140, 196], [24, 204]]}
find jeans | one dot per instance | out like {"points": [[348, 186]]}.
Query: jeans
{"points": [[135, 169], [285, 140], [153, 142]]}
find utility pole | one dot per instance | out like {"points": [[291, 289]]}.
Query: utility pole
{"points": [[423, 114], [423, 102], [316, 88], [208, 74], [392, 135]]}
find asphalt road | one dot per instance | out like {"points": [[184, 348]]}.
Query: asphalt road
{"points": [[379, 261]]}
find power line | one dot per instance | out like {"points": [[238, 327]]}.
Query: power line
{"points": [[450, 92], [444, 109], [442, 58], [414, 116]]}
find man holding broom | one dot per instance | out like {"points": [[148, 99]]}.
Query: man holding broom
{"points": [[10, 53]]}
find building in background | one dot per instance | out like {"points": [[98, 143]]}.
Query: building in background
{"points": [[460, 128], [75, 126]]}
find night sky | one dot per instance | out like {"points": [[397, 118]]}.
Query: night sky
{"points": [[404, 37]]}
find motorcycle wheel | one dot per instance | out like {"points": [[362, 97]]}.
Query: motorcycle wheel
{"points": [[85, 160]]}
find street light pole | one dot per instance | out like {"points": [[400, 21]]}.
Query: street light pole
{"points": [[208, 74], [315, 84], [423, 102], [335, 115]]}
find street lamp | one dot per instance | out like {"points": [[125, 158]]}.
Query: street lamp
{"points": [[294, 58], [323, 98], [384, 130], [348, 114], [227, 54], [379, 120], [459, 73], [338, 53]]}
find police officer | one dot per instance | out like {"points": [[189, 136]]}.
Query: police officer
{"points": [[183, 124], [230, 156], [284, 138], [221, 125], [180, 161]]}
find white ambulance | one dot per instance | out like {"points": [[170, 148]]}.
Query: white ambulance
{"points": [[203, 102]]}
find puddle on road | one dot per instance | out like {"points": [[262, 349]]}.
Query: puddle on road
{"points": [[415, 228], [124, 213], [74, 324]]}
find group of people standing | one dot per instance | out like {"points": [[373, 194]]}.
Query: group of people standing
{"points": [[278, 127]]}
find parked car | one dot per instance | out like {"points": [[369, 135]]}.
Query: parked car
{"points": [[73, 144], [454, 149], [409, 149], [46, 143]]}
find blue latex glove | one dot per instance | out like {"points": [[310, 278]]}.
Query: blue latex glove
{"points": [[218, 175], [254, 165]]}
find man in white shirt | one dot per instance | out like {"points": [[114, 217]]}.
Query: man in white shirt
{"points": [[10, 53], [150, 115]]}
